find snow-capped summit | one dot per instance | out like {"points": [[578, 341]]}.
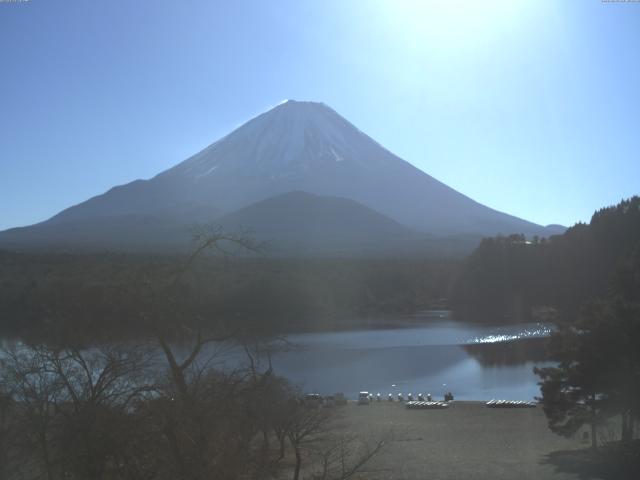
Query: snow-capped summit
{"points": [[295, 146], [288, 140]]}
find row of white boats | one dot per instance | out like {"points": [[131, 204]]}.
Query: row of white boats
{"points": [[417, 405], [420, 405], [426, 401], [510, 404], [366, 397]]}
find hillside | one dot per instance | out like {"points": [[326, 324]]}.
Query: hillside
{"points": [[302, 222]]}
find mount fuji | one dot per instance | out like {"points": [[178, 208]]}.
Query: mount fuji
{"points": [[302, 147]]}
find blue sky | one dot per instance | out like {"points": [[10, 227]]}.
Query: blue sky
{"points": [[532, 108]]}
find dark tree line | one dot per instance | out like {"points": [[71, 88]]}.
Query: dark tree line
{"points": [[510, 278], [44, 296]]}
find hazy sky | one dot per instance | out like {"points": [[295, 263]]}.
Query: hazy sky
{"points": [[532, 108]]}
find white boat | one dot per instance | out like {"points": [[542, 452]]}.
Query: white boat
{"points": [[509, 404], [417, 405]]}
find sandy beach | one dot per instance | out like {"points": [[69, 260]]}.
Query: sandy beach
{"points": [[465, 441]]}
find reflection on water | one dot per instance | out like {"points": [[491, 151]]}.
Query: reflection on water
{"points": [[537, 330], [435, 357], [510, 353]]}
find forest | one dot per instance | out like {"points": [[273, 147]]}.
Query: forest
{"points": [[101, 295], [512, 278]]}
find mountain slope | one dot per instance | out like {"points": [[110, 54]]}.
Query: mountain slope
{"points": [[291, 223], [125, 232], [297, 146]]}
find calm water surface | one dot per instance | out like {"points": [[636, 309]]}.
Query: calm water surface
{"points": [[427, 353], [432, 356]]}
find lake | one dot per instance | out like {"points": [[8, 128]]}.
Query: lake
{"points": [[428, 353], [423, 353]]}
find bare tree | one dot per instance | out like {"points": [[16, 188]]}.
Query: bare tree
{"points": [[98, 387], [71, 407], [35, 394], [304, 427], [344, 455], [6, 406], [313, 435]]}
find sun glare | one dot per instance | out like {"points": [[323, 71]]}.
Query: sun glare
{"points": [[451, 24]]}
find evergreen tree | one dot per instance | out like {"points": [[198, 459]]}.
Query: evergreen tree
{"points": [[598, 375], [574, 393]]}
